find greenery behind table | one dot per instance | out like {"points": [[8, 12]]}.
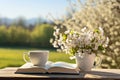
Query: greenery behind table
{"points": [[14, 35], [13, 57]]}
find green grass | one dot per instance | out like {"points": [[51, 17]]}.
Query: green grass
{"points": [[12, 57]]}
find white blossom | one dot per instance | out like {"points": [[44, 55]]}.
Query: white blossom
{"points": [[81, 42], [83, 30], [101, 30]]}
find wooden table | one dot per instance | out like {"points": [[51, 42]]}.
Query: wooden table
{"points": [[95, 74]]}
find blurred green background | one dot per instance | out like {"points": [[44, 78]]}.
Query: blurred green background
{"points": [[17, 37], [13, 57]]}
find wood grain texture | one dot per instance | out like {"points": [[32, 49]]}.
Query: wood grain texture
{"points": [[94, 74]]}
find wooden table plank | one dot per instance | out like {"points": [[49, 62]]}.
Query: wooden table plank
{"points": [[9, 73]]}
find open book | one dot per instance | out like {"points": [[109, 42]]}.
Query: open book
{"points": [[51, 67]]}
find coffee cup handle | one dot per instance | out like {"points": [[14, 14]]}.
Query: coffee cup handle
{"points": [[100, 60], [24, 54]]}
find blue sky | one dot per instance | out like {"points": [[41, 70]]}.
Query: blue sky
{"points": [[32, 8]]}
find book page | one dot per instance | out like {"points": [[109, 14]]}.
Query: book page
{"points": [[27, 65], [63, 67], [64, 64], [30, 68], [48, 65]]}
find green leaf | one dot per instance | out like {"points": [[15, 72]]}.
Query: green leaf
{"points": [[97, 31], [74, 50], [72, 32], [88, 47], [93, 40], [100, 47], [64, 37]]}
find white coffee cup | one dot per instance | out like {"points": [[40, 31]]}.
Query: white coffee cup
{"points": [[37, 57]]}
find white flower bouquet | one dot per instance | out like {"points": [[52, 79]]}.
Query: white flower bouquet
{"points": [[84, 41]]}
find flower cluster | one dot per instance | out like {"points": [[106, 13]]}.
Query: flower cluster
{"points": [[84, 41]]}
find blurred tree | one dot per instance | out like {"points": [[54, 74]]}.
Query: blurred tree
{"points": [[100, 13], [18, 35], [41, 35], [20, 22], [3, 35]]}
